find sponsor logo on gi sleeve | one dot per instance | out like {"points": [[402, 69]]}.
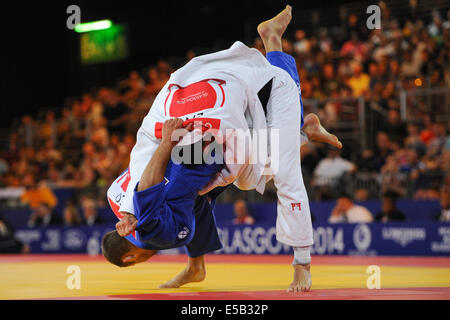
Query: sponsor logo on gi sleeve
{"points": [[183, 233]]}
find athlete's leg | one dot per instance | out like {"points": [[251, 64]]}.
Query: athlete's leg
{"points": [[205, 240], [195, 271], [293, 225], [284, 112], [271, 32], [316, 132]]}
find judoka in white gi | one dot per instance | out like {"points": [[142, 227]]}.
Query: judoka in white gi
{"points": [[220, 91]]}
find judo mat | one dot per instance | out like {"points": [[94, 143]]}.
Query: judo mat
{"points": [[229, 277]]}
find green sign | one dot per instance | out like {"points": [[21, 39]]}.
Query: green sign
{"points": [[104, 45]]}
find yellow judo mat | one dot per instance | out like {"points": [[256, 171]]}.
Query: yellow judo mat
{"points": [[228, 277]]}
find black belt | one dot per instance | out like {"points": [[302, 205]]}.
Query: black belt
{"points": [[264, 95]]}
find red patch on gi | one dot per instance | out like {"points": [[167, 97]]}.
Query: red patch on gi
{"points": [[193, 98], [126, 180], [123, 180], [204, 123]]}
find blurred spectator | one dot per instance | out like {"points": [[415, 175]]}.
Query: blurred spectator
{"points": [[35, 195], [382, 151], [301, 45], [8, 242], [49, 127], [346, 211], [366, 161], [330, 83], [425, 176], [241, 213], [90, 214], [354, 27], [359, 82], [437, 143], [427, 134], [115, 112], [394, 127], [71, 215], [330, 169], [444, 215], [413, 141], [325, 42], [132, 87], [155, 83], [392, 177], [361, 195], [27, 132], [354, 48], [389, 212], [43, 216]]}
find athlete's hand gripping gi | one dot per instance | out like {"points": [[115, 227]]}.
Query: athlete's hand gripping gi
{"points": [[165, 197]]}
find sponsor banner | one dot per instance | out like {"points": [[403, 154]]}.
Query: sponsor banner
{"points": [[64, 239], [255, 239], [396, 239]]}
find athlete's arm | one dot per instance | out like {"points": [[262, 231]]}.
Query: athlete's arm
{"points": [[154, 171], [156, 167]]}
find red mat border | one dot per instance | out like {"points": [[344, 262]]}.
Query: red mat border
{"points": [[324, 294]]}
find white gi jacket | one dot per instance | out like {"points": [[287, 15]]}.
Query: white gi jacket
{"points": [[235, 76]]}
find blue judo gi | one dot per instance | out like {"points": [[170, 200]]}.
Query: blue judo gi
{"points": [[171, 214]]}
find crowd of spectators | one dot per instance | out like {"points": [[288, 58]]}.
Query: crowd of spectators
{"points": [[86, 144], [410, 158]]}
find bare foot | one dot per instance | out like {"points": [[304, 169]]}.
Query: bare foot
{"points": [[271, 30], [316, 132], [302, 278], [186, 276]]}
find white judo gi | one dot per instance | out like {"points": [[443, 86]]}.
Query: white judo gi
{"points": [[221, 90]]}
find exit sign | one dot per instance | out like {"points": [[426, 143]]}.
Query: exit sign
{"points": [[104, 45]]}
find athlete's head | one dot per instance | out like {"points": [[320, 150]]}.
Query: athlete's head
{"points": [[121, 252]]}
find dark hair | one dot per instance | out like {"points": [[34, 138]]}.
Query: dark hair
{"points": [[114, 247], [391, 195]]}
